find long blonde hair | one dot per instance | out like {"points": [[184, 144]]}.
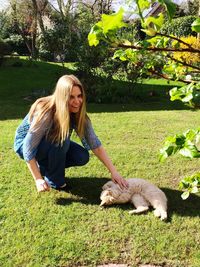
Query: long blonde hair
{"points": [[57, 105]]}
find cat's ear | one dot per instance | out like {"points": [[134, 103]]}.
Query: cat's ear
{"points": [[107, 185]]}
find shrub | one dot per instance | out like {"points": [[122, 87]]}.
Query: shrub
{"points": [[188, 57], [45, 55], [4, 50], [179, 26], [16, 43]]}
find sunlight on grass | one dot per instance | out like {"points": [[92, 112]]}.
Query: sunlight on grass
{"points": [[70, 229]]}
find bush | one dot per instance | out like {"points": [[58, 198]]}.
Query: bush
{"points": [[179, 26], [188, 57], [4, 50], [16, 43], [45, 55]]}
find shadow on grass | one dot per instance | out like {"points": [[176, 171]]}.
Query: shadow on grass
{"points": [[189, 207], [137, 106], [89, 189], [15, 110], [30, 78]]}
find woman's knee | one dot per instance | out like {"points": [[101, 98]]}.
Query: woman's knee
{"points": [[84, 159], [76, 156]]}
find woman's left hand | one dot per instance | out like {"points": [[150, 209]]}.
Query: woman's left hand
{"points": [[117, 178]]}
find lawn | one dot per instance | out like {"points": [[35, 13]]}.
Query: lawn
{"points": [[69, 229]]}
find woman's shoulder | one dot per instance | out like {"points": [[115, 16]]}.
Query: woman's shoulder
{"points": [[40, 103]]}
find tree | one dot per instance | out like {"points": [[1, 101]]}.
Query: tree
{"points": [[24, 23], [193, 7], [155, 55]]}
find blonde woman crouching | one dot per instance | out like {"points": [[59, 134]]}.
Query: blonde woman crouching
{"points": [[43, 137]]}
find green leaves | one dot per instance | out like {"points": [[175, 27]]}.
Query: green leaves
{"points": [[143, 4], [190, 184], [124, 55], [170, 7], [156, 21], [106, 28], [196, 25], [95, 35], [189, 94], [186, 144], [112, 22]]}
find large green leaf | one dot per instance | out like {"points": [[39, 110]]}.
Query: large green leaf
{"points": [[95, 35], [143, 4], [196, 25], [185, 195], [106, 28], [112, 22], [156, 21], [189, 152]]}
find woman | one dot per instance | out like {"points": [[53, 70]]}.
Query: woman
{"points": [[43, 137]]}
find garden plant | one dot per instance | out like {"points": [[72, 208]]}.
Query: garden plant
{"points": [[69, 229], [162, 55]]}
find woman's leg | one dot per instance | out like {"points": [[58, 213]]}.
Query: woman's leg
{"points": [[51, 159], [76, 155]]}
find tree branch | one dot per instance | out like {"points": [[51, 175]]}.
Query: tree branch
{"points": [[159, 49], [175, 38], [166, 77], [183, 63]]}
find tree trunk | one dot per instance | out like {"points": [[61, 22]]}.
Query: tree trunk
{"points": [[39, 18]]}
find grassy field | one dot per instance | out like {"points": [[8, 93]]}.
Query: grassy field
{"points": [[69, 229]]}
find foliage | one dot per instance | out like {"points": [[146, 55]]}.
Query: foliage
{"points": [[188, 94], [70, 229], [4, 48], [4, 25], [16, 43], [196, 25], [186, 144], [135, 52], [9, 34], [190, 184], [179, 26], [162, 62], [189, 58], [106, 28], [53, 43], [193, 7], [137, 33]]}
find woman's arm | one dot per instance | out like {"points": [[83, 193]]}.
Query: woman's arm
{"points": [[39, 181], [101, 154]]}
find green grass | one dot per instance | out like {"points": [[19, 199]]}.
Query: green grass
{"points": [[69, 229]]}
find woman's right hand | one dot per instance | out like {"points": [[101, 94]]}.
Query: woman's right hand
{"points": [[41, 185]]}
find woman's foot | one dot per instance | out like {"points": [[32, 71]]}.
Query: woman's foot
{"points": [[65, 187]]}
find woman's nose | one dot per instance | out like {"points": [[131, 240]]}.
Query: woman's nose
{"points": [[76, 100]]}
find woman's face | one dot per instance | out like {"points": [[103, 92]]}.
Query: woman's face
{"points": [[75, 99]]}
